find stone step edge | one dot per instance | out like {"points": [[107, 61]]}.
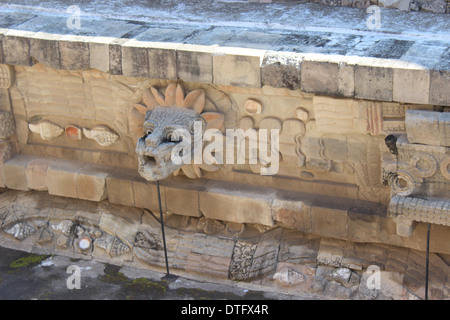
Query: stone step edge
{"points": [[324, 216], [331, 75]]}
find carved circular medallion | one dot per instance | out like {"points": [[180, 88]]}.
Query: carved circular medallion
{"points": [[84, 243], [445, 167], [402, 183], [423, 164]]}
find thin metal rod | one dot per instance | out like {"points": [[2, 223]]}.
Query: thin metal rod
{"points": [[428, 262], [162, 228]]}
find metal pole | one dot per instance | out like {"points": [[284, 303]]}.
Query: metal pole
{"points": [[162, 229], [428, 262]]}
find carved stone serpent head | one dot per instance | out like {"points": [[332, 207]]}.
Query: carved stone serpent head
{"points": [[165, 117]]}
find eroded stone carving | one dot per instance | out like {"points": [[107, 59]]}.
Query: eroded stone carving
{"points": [[29, 223], [46, 129], [73, 132], [20, 230], [428, 127], [253, 107], [102, 135], [7, 127], [241, 261], [406, 210], [289, 277], [419, 174], [5, 76], [164, 114]]}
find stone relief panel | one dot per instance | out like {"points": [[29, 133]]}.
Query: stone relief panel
{"points": [[7, 125], [95, 117], [278, 112], [73, 227], [8, 136], [335, 141], [78, 115], [339, 115], [46, 130], [102, 135], [417, 170], [43, 224]]}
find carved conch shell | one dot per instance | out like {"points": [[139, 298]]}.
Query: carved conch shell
{"points": [[20, 231], [102, 135], [289, 277], [46, 129], [118, 248]]}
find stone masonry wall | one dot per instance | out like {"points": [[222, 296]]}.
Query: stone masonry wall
{"points": [[363, 148]]}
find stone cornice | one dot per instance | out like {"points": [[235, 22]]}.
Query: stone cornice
{"points": [[409, 72]]}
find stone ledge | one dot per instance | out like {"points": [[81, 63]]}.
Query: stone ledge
{"points": [[345, 75], [351, 220]]}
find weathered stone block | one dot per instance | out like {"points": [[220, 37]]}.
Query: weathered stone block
{"points": [[74, 53], [37, 173], [146, 195], [14, 172], [363, 226], [292, 214], [281, 70], [339, 116], [353, 255], [218, 267], [183, 199], [331, 252], [376, 254], [346, 80], [239, 204], [16, 50], [115, 56], [99, 54], [1, 47], [439, 84], [195, 63], [44, 49], [428, 127], [124, 223], [134, 60], [91, 182], [373, 83], [329, 222], [119, 186], [411, 85], [61, 178], [237, 67], [162, 63], [320, 77]]}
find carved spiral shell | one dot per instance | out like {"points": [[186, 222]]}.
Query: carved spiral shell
{"points": [[102, 135], [46, 129]]}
